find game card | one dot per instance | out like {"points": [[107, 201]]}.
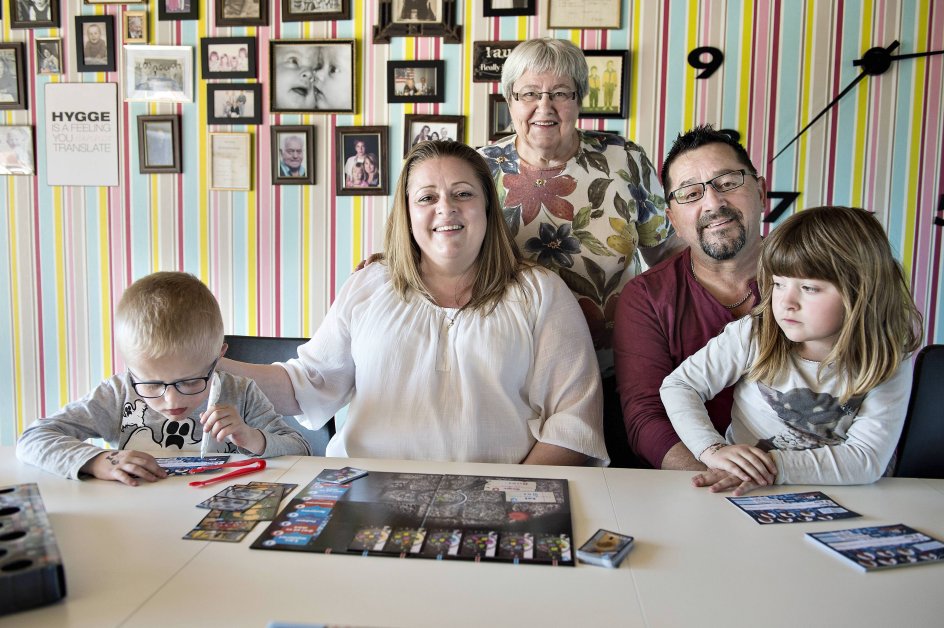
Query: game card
{"points": [[509, 485], [340, 476], [481, 544], [516, 546], [553, 548], [441, 543], [227, 536], [184, 465], [792, 508], [405, 541], [532, 497], [605, 548], [372, 538], [236, 497]]}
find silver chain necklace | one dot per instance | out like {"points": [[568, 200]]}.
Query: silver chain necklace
{"points": [[733, 306]]}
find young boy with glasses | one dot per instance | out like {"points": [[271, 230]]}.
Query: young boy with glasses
{"points": [[169, 330]]}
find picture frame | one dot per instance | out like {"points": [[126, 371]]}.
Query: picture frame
{"points": [[496, 8], [34, 13], [292, 61], [307, 11], [17, 155], [105, 2], [357, 148], [178, 10], [95, 43], [610, 99], [13, 92], [234, 103], [416, 81], [499, 118], [293, 154], [159, 145], [158, 73], [230, 157], [242, 13], [580, 14], [419, 127], [49, 59], [134, 27], [223, 57], [488, 59], [439, 20]]}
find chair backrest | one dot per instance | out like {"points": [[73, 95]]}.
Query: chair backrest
{"points": [[921, 448], [269, 349]]}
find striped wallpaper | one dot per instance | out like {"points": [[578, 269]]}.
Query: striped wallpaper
{"points": [[275, 257]]}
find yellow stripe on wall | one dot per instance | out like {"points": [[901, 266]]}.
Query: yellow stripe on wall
{"points": [[17, 337], [744, 95], [809, 22], [104, 273], [689, 93], [61, 330]]}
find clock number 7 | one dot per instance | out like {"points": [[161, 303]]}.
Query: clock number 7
{"points": [[707, 67], [786, 200]]}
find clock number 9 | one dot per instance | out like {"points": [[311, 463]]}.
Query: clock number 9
{"points": [[707, 67]]}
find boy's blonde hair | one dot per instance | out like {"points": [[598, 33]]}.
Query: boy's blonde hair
{"points": [[848, 248], [168, 314]]}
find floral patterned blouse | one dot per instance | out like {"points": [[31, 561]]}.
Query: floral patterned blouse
{"points": [[585, 220]]}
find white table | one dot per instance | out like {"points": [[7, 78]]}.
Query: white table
{"points": [[698, 561]]}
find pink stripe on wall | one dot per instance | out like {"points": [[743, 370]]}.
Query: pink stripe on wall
{"points": [[834, 114], [701, 86], [663, 84]]}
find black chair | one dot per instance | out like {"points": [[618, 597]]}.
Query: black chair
{"points": [[921, 447], [269, 349]]}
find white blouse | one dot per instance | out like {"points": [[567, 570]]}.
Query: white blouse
{"points": [[431, 383]]}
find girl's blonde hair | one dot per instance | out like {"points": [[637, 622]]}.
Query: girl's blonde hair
{"points": [[499, 261], [848, 248]]}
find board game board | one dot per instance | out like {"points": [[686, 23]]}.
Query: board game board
{"points": [[481, 518]]}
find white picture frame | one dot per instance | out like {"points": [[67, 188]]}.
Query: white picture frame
{"points": [[158, 73]]}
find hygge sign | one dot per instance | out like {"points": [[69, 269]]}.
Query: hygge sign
{"points": [[82, 134]]}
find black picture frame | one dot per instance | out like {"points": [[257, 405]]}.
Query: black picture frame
{"points": [[488, 59], [301, 11], [375, 143], [519, 7], [499, 118], [230, 48], [601, 59], [416, 81], [282, 133], [13, 92], [231, 13], [20, 14], [55, 62], [178, 10], [159, 145], [392, 24], [290, 88], [87, 58], [414, 124], [234, 103]]}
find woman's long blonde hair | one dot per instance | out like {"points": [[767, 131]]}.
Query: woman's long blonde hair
{"points": [[848, 248]]}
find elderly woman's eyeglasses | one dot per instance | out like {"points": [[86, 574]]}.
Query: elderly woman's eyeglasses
{"points": [[189, 386], [722, 183], [536, 96]]}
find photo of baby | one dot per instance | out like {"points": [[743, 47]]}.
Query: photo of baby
{"points": [[312, 76]]}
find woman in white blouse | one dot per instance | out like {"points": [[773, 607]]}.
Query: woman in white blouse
{"points": [[452, 347]]}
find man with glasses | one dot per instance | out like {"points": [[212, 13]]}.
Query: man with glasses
{"points": [[169, 332], [715, 203]]}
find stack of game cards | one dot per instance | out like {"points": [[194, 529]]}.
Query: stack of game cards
{"points": [[605, 548], [236, 509]]}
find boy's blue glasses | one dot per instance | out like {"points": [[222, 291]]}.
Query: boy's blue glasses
{"points": [[189, 386]]}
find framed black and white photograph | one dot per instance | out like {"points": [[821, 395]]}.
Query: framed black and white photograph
{"points": [[16, 150], [134, 27], [311, 76], [12, 76], [242, 12], [488, 59], [158, 73], [499, 118], [228, 57], [234, 103], [417, 18], [580, 14], [95, 43], [34, 13], [171, 10], [315, 10], [159, 148], [420, 127], [49, 58], [495, 8], [608, 80], [416, 81], [362, 160], [230, 161], [293, 155]]}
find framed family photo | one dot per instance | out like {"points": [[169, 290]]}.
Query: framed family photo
{"points": [[495, 8], [420, 127], [159, 148], [134, 27], [362, 160], [34, 13], [311, 76], [242, 12], [16, 150], [488, 59], [584, 14], [234, 103], [49, 58], [95, 43], [499, 118], [230, 161], [293, 161], [170, 10], [417, 18], [12, 76], [416, 81], [158, 73], [608, 80], [315, 10], [228, 57]]}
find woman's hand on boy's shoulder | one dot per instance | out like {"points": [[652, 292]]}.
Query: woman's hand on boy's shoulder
{"points": [[224, 422], [124, 465]]}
